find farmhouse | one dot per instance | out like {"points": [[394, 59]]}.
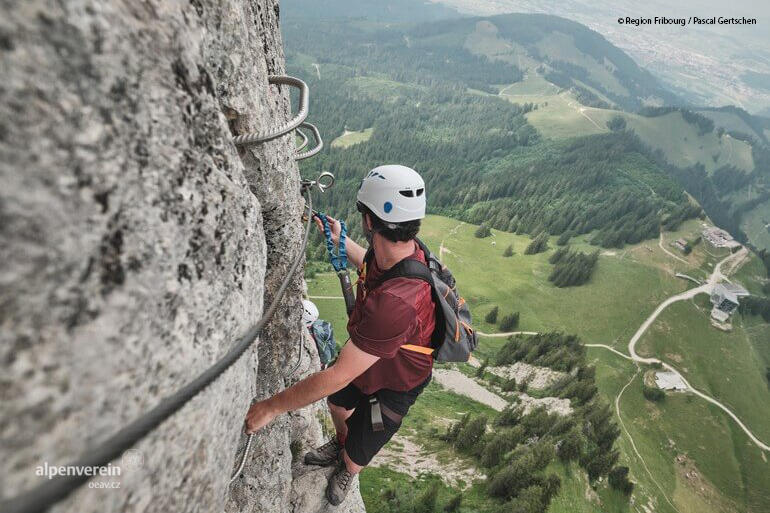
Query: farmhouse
{"points": [[680, 244], [667, 380], [723, 298], [719, 238], [735, 289]]}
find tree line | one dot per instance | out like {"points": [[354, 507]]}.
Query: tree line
{"points": [[516, 448], [572, 268]]}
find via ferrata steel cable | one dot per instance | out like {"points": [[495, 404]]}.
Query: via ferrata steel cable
{"points": [[45, 495]]}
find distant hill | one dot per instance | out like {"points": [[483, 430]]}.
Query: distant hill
{"points": [[566, 53], [534, 126], [395, 11], [735, 119]]}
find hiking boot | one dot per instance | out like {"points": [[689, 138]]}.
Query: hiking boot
{"points": [[326, 455], [339, 484]]}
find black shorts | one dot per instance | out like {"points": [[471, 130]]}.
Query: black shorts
{"points": [[362, 442]]}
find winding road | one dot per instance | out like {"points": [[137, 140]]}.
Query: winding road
{"points": [[716, 277]]}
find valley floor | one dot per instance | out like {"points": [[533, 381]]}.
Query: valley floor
{"points": [[669, 461]]}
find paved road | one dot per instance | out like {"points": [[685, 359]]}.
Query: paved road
{"points": [[716, 277]]}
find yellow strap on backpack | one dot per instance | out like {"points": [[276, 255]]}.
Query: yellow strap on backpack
{"points": [[418, 349]]}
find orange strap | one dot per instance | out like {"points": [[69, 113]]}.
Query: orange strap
{"points": [[417, 349]]}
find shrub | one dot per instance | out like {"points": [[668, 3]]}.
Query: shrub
{"points": [[454, 430], [508, 251], [470, 435], [570, 447], [510, 322], [482, 231], [482, 368], [500, 444], [509, 385], [653, 393], [454, 503], [426, 502], [618, 479], [616, 123], [510, 416], [491, 317], [564, 238], [538, 245]]}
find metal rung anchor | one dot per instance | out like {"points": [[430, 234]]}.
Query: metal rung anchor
{"points": [[304, 95], [304, 142], [313, 151], [323, 182]]}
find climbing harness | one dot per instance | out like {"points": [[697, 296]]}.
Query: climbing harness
{"points": [[339, 260], [304, 95], [45, 495]]}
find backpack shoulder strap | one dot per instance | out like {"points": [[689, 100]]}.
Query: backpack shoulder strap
{"points": [[407, 268]]}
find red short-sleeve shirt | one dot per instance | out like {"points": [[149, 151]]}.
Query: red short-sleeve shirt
{"points": [[399, 311]]}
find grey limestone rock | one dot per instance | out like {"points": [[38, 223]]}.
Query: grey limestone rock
{"points": [[137, 243]]}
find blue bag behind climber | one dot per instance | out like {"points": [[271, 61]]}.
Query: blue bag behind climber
{"points": [[323, 334]]}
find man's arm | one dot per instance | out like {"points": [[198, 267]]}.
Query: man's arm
{"points": [[351, 364], [355, 252]]}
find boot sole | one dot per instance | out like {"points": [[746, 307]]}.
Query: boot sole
{"points": [[319, 463]]}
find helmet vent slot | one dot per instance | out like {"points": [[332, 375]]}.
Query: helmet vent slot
{"points": [[409, 193], [419, 192]]}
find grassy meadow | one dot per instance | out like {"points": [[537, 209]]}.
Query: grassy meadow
{"points": [[697, 458]]}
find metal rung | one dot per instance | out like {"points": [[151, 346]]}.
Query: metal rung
{"points": [[304, 95], [313, 151], [305, 140]]}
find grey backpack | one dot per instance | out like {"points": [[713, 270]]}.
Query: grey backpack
{"points": [[453, 338], [323, 334]]}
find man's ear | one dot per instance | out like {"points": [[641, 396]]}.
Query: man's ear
{"points": [[368, 220]]}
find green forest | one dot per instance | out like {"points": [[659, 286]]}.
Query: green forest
{"points": [[480, 158]]}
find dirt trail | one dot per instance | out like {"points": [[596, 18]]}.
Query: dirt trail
{"points": [[631, 440], [405, 456], [505, 334], [442, 248], [660, 243], [459, 383]]}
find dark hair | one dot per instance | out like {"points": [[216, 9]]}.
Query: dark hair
{"points": [[394, 232]]}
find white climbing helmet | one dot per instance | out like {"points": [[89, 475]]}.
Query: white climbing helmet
{"points": [[309, 312], [394, 193]]}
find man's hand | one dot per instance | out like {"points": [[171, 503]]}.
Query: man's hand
{"points": [[260, 414], [334, 227], [351, 363]]}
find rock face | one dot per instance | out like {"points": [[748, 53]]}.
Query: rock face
{"points": [[137, 244]]}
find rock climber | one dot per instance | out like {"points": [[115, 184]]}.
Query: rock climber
{"points": [[375, 380]]}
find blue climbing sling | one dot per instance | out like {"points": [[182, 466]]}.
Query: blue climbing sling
{"points": [[339, 260]]}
